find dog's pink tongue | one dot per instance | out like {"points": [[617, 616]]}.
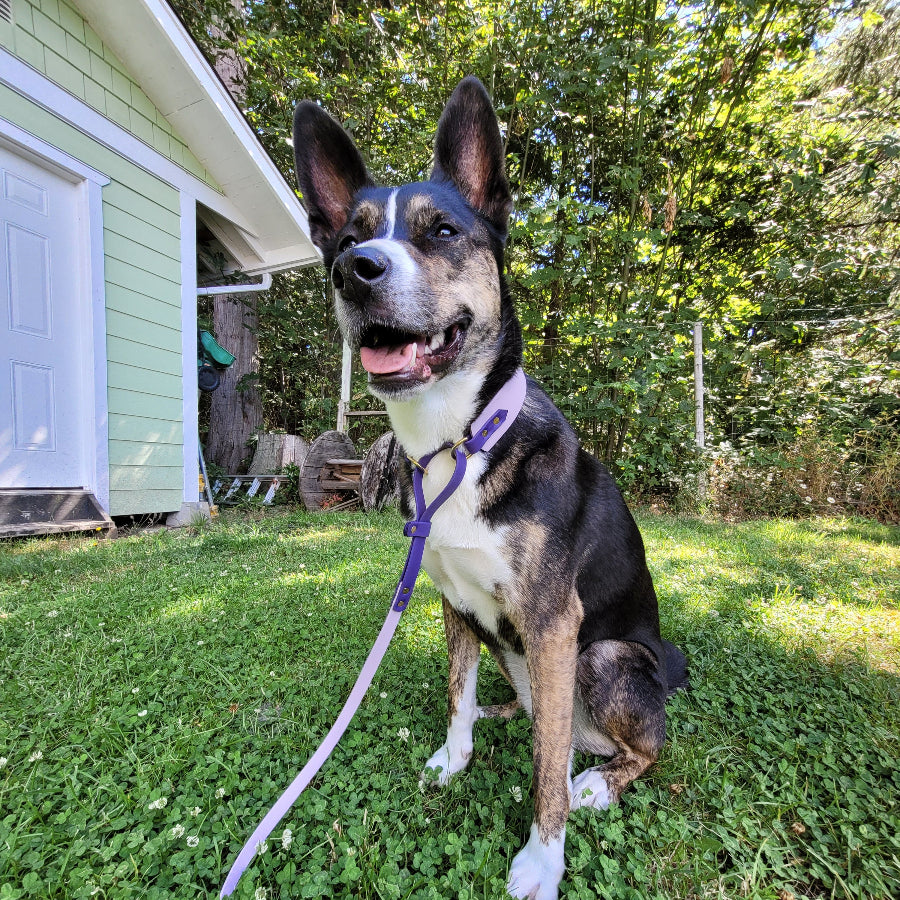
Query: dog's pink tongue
{"points": [[385, 361]]}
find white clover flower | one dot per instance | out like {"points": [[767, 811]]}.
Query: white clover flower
{"points": [[134, 690], [142, 713], [383, 695], [403, 734], [195, 811], [157, 804], [3, 761], [516, 793], [262, 847], [220, 793], [38, 754], [178, 831], [53, 612], [260, 894], [286, 838], [193, 840]]}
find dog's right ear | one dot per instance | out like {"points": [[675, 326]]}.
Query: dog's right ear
{"points": [[330, 170]]}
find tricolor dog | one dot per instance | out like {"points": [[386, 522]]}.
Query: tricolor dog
{"points": [[536, 554]]}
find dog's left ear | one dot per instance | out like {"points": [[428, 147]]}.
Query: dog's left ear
{"points": [[469, 152]]}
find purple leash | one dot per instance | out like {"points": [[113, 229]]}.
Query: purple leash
{"points": [[486, 430]]}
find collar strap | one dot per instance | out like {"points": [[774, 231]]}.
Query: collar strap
{"points": [[485, 431]]}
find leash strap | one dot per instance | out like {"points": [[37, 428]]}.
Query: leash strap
{"points": [[486, 430]]}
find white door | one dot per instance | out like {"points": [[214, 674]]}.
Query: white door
{"points": [[43, 413]]}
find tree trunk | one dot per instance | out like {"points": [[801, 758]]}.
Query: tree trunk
{"points": [[236, 408]]}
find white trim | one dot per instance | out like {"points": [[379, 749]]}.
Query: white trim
{"points": [[50, 157], [189, 51], [92, 295], [190, 395], [214, 289], [35, 86]]}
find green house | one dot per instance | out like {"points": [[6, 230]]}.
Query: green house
{"points": [[121, 155]]}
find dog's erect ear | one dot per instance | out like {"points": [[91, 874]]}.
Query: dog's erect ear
{"points": [[468, 151], [330, 170]]}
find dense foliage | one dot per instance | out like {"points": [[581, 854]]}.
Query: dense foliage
{"points": [[734, 163]]}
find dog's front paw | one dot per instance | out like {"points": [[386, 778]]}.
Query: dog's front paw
{"points": [[538, 868], [443, 765]]}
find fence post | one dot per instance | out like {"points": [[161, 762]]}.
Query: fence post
{"points": [[346, 376], [699, 424], [699, 428]]}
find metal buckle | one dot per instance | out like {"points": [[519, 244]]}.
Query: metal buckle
{"points": [[461, 443]]}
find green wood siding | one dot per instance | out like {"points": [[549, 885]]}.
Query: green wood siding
{"points": [[54, 38], [141, 216]]}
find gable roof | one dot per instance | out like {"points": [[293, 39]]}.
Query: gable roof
{"points": [[151, 40]]}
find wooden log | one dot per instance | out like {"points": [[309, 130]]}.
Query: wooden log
{"points": [[275, 451], [317, 475], [378, 484]]}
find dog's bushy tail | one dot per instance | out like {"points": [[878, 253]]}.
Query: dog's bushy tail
{"points": [[676, 668]]}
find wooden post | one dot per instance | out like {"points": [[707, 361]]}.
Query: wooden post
{"points": [[346, 376], [699, 423], [699, 427]]}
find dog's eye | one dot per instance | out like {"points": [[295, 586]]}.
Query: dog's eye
{"points": [[346, 243], [445, 230]]}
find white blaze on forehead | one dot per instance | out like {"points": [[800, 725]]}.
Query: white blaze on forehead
{"points": [[390, 215]]}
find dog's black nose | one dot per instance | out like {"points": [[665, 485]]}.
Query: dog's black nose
{"points": [[358, 268]]}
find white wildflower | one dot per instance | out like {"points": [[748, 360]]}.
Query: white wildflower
{"points": [[157, 804], [193, 840], [134, 690], [286, 838], [195, 811], [516, 793], [3, 761], [220, 793], [178, 831], [403, 734], [38, 754], [262, 847], [142, 713], [831, 499], [383, 695], [53, 613], [260, 894]]}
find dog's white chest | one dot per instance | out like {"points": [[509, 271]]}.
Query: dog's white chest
{"points": [[464, 555]]}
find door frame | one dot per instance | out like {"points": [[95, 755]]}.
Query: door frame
{"points": [[91, 293]]}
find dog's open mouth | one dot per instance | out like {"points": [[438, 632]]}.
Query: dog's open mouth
{"points": [[391, 355]]}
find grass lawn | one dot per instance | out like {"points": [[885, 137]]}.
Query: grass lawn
{"points": [[158, 692]]}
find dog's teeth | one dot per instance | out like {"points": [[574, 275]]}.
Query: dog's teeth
{"points": [[435, 342]]}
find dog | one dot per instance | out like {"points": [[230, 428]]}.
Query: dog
{"points": [[536, 554]]}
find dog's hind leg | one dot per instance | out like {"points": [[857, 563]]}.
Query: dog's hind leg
{"points": [[464, 651], [623, 704]]}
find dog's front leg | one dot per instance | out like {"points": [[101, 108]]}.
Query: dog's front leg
{"points": [[463, 651], [552, 657]]}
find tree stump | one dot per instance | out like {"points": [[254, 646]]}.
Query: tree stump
{"points": [[318, 482], [378, 484], [275, 451]]}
